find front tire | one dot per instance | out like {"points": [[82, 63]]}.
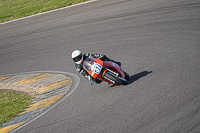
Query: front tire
{"points": [[118, 80], [126, 76]]}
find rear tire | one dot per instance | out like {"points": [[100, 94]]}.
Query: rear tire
{"points": [[118, 80]]}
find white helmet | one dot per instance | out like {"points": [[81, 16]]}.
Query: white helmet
{"points": [[77, 56]]}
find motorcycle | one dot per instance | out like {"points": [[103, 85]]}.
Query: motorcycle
{"points": [[106, 71]]}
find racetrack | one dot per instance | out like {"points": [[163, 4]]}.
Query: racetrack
{"points": [[157, 43]]}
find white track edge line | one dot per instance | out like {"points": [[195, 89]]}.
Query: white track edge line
{"points": [[72, 89], [48, 12]]}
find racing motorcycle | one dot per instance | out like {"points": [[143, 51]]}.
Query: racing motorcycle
{"points": [[106, 71]]}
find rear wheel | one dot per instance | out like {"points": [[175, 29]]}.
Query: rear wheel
{"points": [[118, 80]]}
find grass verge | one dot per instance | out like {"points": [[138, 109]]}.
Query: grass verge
{"points": [[12, 103], [13, 9]]}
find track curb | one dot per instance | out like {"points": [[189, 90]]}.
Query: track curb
{"points": [[51, 88]]}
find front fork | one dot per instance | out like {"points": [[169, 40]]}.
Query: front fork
{"points": [[104, 70]]}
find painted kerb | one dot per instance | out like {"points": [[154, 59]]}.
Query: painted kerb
{"points": [[47, 87]]}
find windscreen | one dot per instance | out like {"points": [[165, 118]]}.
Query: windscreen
{"points": [[88, 63]]}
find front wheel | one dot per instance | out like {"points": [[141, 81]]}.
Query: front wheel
{"points": [[118, 80], [126, 76]]}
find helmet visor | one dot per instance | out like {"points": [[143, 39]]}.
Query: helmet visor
{"points": [[78, 58]]}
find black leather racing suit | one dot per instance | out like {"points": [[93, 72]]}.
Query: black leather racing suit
{"points": [[79, 67]]}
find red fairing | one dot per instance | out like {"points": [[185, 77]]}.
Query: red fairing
{"points": [[114, 67], [94, 66]]}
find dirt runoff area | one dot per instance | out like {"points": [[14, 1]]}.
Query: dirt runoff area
{"points": [[19, 88]]}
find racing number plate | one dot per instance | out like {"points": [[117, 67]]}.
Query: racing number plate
{"points": [[96, 68]]}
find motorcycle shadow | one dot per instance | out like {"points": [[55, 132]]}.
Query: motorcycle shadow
{"points": [[135, 77]]}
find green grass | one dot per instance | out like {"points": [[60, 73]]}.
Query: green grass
{"points": [[13, 9], [12, 103]]}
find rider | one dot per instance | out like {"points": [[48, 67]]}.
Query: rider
{"points": [[79, 58]]}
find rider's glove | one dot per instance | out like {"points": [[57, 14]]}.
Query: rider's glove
{"points": [[78, 69], [87, 54]]}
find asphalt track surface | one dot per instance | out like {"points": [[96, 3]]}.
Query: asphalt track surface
{"points": [[157, 43]]}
